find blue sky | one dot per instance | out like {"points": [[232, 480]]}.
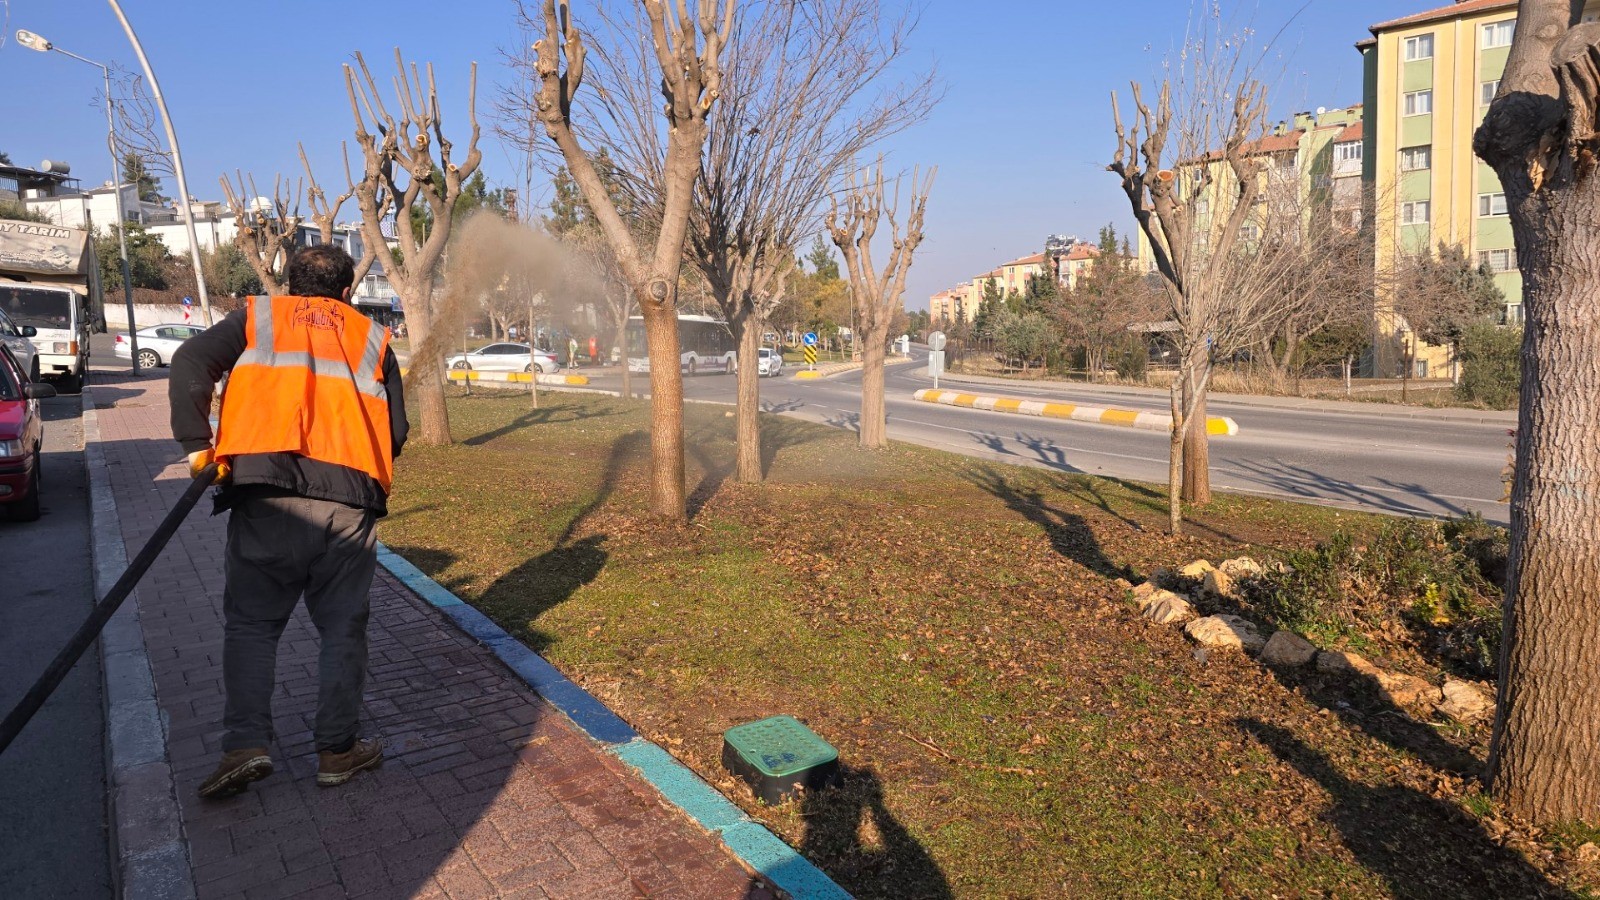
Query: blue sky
{"points": [[1021, 138]]}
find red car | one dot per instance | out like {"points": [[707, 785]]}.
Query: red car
{"points": [[21, 437]]}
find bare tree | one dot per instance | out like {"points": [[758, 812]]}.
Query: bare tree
{"points": [[1111, 296], [409, 161], [1539, 135], [879, 294], [688, 47], [1192, 167], [264, 228]]}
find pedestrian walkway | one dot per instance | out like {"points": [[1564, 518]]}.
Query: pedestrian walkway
{"points": [[486, 790]]}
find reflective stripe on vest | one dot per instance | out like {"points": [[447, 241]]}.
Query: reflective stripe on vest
{"points": [[265, 353]]}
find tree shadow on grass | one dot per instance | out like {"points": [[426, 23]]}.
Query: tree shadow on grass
{"points": [[1069, 535], [542, 416], [779, 433], [851, 833], [1420, 846]]}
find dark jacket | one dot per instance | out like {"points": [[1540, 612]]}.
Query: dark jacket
{"points": [[200, 363]]}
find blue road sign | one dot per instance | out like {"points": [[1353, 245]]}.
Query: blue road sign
{"points": [[394, 304], [188, 301], [810, 339]]}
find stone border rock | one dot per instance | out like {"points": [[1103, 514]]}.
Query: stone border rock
{"points": [[1161, 600]]}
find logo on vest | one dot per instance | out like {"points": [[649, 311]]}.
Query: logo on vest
{"points": [[312, 314]]}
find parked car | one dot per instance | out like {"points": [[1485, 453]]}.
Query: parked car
{"points": [[21, 438], [17, 338], [505, 358], [156, 343], [769, 361]]}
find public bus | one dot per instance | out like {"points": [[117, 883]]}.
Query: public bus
{"points": [[704, 345]]}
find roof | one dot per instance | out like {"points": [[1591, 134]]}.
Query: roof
{"points": [[1034, 260], [1083, 251], [1271, 143], [1453, 11], [1351, 132]]}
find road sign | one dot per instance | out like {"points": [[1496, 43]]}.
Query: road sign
{"points": [[394, 304], [936, 340], [187, 302], [811, 355], [936, 366], [810, 339]]}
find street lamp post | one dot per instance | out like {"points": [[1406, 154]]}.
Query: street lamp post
{"points": [[177, 159], [36, 42]]}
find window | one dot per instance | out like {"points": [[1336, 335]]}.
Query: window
{"points": [[1486, 92], [1514, 310], [1415, 212], [1419, 47], [1492, 204], [1249, 232], [1418, 103], [1202, 207], [1591, 17], [1499, 34], [1498, 261], [1350, 151], [1413, 159]]}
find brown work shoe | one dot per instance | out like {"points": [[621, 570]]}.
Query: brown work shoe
{"points": [[334, 769], [237, 770]]}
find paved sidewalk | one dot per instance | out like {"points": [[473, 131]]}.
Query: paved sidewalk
{"points": [[487, 791]]}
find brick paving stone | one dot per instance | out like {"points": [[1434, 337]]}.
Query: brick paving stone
{"points": [[486, 791]]}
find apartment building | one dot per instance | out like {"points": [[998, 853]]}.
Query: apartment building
{"points": [[1429, 78], [1068, 256]]}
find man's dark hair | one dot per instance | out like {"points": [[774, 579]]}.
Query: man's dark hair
{"points": [[321, 271]]}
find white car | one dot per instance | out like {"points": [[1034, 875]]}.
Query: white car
{"points": [[16, 337], [504, 358], [156, 343], [769, 361]]}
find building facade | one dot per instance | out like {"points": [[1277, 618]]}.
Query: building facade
{"points": [[1429, 78]]}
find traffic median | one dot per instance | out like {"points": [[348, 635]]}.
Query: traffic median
{"points": [[516, 377], [1131, 418]]}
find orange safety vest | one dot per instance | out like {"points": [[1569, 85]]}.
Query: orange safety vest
{"points": [[310, 382]]}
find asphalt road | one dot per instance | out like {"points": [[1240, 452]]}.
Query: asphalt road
{"points": [[52, 779], [1373, 457]]}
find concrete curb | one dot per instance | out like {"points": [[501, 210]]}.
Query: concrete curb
{"points": [[829, 369], [1131, 418], [1463, 416], [151, 857], [759, 849], [516, 377]]}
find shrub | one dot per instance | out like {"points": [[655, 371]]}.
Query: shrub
{"points": [[1491, 361], [1438, 579]]}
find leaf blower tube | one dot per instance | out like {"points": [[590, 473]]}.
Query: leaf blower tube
{"points": [[19, 717]]}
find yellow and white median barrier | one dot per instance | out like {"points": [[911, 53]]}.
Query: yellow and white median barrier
{"points": [[515, 377], [1133, 418]]}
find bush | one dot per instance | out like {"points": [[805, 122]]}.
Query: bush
{"points": [[1131, 359], [1438, 579], [1491, 361]]}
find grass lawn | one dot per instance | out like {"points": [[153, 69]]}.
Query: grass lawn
{"points": [[1008, 726]]}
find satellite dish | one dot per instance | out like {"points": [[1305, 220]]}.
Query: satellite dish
{"points": [[261, 204], [1321, 110]]}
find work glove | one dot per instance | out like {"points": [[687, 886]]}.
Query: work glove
{"points": [[199, 459]]}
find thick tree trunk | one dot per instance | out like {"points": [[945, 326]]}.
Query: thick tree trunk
{"points": [[425, 381], [1196, 442], [748, 428], [1547, 726], [667, 495], [874, 418]]}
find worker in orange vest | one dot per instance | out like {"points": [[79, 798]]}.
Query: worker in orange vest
{"points": [[312, 418]]}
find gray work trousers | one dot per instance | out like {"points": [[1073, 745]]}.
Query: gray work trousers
{"points": [[280, 547]]}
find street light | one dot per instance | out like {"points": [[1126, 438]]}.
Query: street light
{"points": [[37, 42]]}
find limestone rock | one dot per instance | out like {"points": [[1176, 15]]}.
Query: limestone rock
{"points": [[1141, 594], [1407, 690], [1241, 567], [1345, 663], [1218, 584], [1225, 631], [1285, 648], [1197, 569], [1465, 701], [1167, 608]]}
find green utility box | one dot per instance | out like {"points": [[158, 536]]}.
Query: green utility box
{"points": [[778, 756]]}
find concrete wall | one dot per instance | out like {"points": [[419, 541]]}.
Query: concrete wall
{"points": [[145, 314]]}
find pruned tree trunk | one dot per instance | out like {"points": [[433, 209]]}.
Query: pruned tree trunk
{"points": [[874, 421], [1196, 441], [1175, 464], [666, 408], [748, 427], [1540, 137]]}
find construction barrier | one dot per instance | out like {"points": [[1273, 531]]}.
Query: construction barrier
{"points": [[1133, 418]]}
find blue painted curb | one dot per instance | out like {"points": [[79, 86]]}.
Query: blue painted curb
{"points": [[746, 838]]}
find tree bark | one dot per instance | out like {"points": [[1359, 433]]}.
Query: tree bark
{"points": [[425, 380], [748, 427], [874, 425], [1175, 464], [1539, 137], [667, 494]]}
